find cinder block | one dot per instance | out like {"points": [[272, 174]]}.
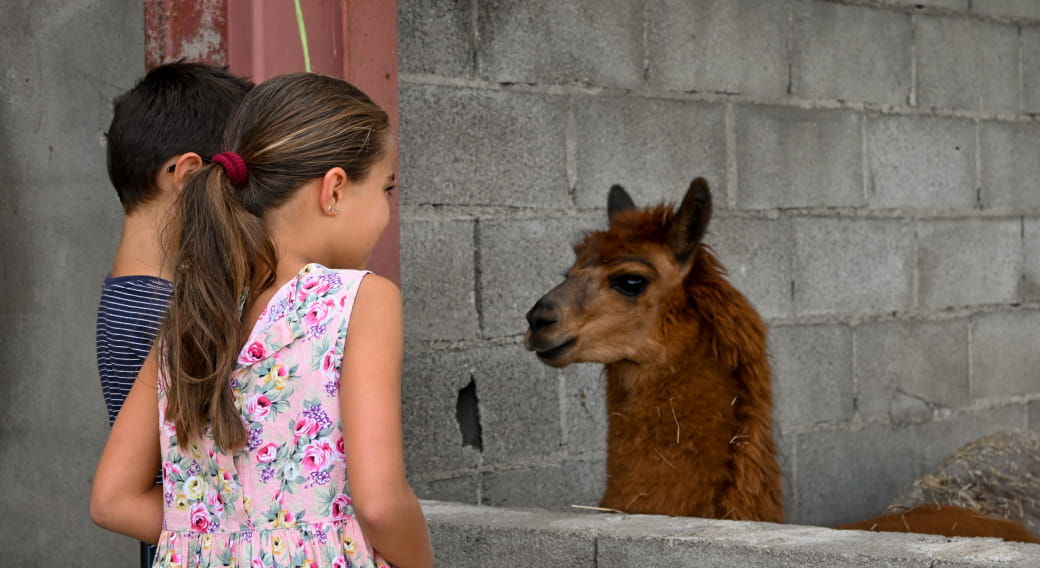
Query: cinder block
{"points": [[1033, 415], [591, 42], [966, 64], [1030, 287], [585, 409], [812, 374], [1015, 9], [433, 439], [852, 265], [968, 262], [747, 553], [1030, 54], [477, 536], [519, 404], [851, 53], [517, 408], [724, 46], [949, 4], [921, 162], [786, 458], [682, 541], [846, 476], [472, 545], [788, 157], [437, 279], [551, 486], [1010, 170], [463, 489], [652, 147], [757, 254], [1004, 355], [521, 260], [435, 37], [482, 147], [907, 369]]}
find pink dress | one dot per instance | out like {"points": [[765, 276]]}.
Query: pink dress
{"points": [[283, 500]]}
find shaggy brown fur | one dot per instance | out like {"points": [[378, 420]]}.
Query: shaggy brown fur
{"points": [[688, 381], [946, 520]]}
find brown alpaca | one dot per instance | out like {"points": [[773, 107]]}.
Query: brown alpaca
{"points": [[689, 397], [688, 382]]}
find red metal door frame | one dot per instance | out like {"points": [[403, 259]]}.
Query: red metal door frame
{"points": [[355, 40]]}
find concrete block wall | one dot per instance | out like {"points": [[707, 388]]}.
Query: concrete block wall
{"points": [[61, 64], [876, 186]]}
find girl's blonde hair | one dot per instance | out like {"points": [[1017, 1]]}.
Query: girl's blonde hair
{"points": [[288, 130]]}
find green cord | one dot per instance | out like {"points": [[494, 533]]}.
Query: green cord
{"points": [[303, 36]]}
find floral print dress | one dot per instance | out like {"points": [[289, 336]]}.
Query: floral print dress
{"points": [[283, 500]]}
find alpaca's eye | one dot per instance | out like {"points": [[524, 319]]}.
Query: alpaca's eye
{"points": [[629, 284]]}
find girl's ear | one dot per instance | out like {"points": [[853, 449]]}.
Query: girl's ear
{"points": [[333, 190]]}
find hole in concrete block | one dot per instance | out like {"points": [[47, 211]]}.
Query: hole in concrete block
{"points": [[467, 413]]}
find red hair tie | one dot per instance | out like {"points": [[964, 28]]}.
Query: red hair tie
{"points": [[234, 166]]}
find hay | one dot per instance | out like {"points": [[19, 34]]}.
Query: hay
{"points": [[996, 475], [600, 509]]}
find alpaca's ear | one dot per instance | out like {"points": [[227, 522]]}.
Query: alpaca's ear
{"points": [[691, 221], [618, 200]]}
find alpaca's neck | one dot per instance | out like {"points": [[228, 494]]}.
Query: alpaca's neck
{"points": [[694, 401], [678, 432]]}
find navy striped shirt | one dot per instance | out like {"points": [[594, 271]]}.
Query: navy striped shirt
{"points": [[129, 315]]}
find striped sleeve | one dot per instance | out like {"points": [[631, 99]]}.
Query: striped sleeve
{"points": [[129, 315]]}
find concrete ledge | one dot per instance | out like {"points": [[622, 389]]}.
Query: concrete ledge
{"points": [[469, 535]]}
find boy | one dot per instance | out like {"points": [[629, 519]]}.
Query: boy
{"points": [[162, 130]]}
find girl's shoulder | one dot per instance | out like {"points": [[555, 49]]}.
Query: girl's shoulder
{"points": [[314, 289], [316, 270], [316, 282], [322, 285], [319, 286]]}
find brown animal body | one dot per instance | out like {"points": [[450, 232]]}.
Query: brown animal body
{"points": [[689, 396], [946, 520], [997, 474]]}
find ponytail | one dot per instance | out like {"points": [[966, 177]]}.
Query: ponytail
{"points": [[287, 131], [222, 254]]}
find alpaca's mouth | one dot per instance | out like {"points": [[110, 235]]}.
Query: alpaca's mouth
{"points": [[551, 356]]}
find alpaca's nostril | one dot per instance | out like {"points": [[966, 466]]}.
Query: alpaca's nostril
{"points": [[540, 322], [541, 316]]}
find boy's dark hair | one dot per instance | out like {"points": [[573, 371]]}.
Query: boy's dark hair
{"points": [[176, 108]]}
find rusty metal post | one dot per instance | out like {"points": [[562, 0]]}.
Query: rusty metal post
{"points": [[370, 62], [185, 29]]}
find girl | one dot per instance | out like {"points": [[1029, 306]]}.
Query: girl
{"points": [[278, 433]]}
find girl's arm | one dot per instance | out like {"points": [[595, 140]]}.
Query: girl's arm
{"points": [[370, 406], [124, 497]]}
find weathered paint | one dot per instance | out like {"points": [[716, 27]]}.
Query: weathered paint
{"points": [[264, 40], [195, 30], [370, 62]]}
